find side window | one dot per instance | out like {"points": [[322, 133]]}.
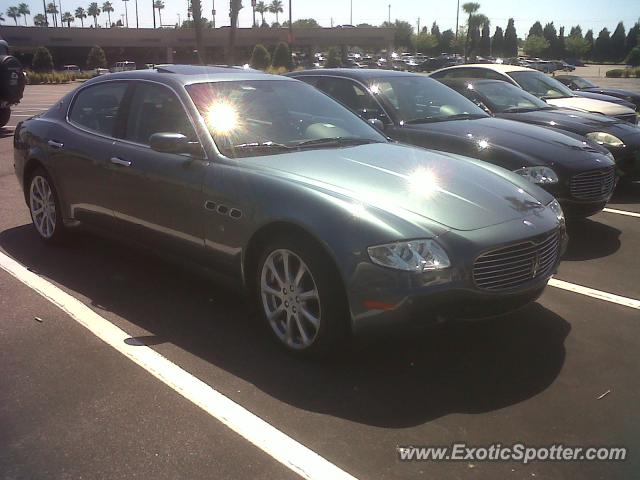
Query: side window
{"points": [[491, 75], [96, 108], [348, 93], [156, 109], [455, 73]]}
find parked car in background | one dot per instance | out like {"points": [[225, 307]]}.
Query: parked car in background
{"points": [[101, 71], [507, 101], [442, 61], [123, 67], [275, 187], [71, 68], [540, 85], [418, 110], [12, 82], [581, 85]]}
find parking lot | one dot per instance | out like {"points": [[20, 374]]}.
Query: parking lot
{"points": [[71, 406]]}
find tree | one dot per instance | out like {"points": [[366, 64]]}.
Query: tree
{"points": [[561, 50], [282, 56], [602, 48], [262, 8], [425, 43], [590, 43], [24, 10], [42, 60], [236, 6], [497, 44], [67, 18], [94, 11], [618, 40], [260, 57], [13, 12], [551, 35], [474, 21], [196, 10], [402, 36], [510, 40], [81, 14], [40, 20], [485, 41], [96, 58], [536, 29], [633, 58], [52, 10], [159, 5], [107, 8], [535, 45], [303, 23], [577, 30], [577, 47], [446, 41], [276, 8], [435, 31], [632, 38], [333, 58]]}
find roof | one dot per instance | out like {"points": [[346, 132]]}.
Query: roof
{"points": [[362, 74], [496, 67]]}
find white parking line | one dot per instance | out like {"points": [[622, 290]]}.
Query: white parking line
{"points": [[621, 212], [590, 292], [286, 450]]}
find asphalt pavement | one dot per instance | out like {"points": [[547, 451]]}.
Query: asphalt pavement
{"points": [[72, 406]]}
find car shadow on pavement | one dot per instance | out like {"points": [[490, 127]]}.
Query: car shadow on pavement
{"points": [[626, 193], [6, 132], [589, 240], [401, 381]]}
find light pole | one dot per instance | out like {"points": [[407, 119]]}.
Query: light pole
{"points": [[290, 27], [137, 20], [213, 13], [351, 13], [389, 14], [457, 18], [126, 13]]}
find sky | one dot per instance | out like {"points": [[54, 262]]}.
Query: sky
{"points": [[595, 14]]}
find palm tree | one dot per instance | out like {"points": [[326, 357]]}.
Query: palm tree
{"points": [[13, 12], [276, 7], [53, 10], [159, 5], [24, 10], [126, 13], [107, 8], [81, 13], [94, 11], [196, 10], [262, 8], [40, 20], [67, 18], [474, 21]]}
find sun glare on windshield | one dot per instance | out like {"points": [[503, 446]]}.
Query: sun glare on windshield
{"points": [[222, 117]]}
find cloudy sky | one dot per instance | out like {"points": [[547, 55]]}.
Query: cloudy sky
{"points": [[594, 14]]}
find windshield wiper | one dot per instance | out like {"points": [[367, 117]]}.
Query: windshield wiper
{"points": [[262, 146], [459, 116], [334, 142], [520, 109]]}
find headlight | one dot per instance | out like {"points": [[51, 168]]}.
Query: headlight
{"points": [[539, 175], [604, 138], [411, 256], [557, 209]]}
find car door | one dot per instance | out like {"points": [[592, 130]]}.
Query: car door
{"points": [[81, 148], [159, 195]]}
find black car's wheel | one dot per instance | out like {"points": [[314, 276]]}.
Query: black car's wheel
{"points": [[44, 207], [5, 115], [300, 298]]}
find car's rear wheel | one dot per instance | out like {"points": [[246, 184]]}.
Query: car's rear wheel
{"points": [[301, 300], [5, 116], [45, 207]]}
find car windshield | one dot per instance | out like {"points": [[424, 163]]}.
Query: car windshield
{"points": [[418, 99], [583, 83], [504, 98], [540, 85], [262, 117]]}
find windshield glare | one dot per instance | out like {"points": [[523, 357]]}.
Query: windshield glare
{"points": [[262, 117], [540, 85], [582, 83], [502, 97], [417, 98]]}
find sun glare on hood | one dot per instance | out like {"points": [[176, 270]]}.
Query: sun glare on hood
{"points": [[424, 182]]}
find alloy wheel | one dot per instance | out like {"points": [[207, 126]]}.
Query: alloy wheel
{"points": [[43, 206]]}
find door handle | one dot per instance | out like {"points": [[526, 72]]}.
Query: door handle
{"points": [[121, 162], [54, 144]]}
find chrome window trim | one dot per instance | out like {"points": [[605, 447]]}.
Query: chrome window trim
{"points": [[123, 140]]}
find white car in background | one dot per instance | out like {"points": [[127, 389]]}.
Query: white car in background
{"points": [[537, 83]]}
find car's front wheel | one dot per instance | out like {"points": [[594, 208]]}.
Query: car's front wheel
{"points": [[301, 298], [45, 207]]}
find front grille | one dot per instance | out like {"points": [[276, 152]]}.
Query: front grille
{"points": [[631, 118], [593, 185], [516, 265]]}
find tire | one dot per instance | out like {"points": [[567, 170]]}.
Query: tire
{"points": [[5, 116], [44, 207], [310, 316]]}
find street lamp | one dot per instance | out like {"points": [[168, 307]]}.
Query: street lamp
{"points": [[126, 13], [351, 14], [389, 14]]}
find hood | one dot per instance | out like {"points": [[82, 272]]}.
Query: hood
{"points": [[523, 145], [612, 91], [576, 121], [590, 105], [453, 191], [606, 98]]}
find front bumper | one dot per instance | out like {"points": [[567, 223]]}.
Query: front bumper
{"points": [[382, 298]]}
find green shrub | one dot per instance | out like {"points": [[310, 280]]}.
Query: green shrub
{"points": [[333, 58], [615, 73], [260, 58], [96, 58], [42, 60], [282, 56], [634, 57]]}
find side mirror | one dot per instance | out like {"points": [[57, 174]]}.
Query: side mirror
{"points": [[377, 123], [174, 143]]}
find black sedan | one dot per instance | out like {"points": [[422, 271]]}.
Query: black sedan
{"points": [[581, 85], [507, 101], [421, 111]]}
